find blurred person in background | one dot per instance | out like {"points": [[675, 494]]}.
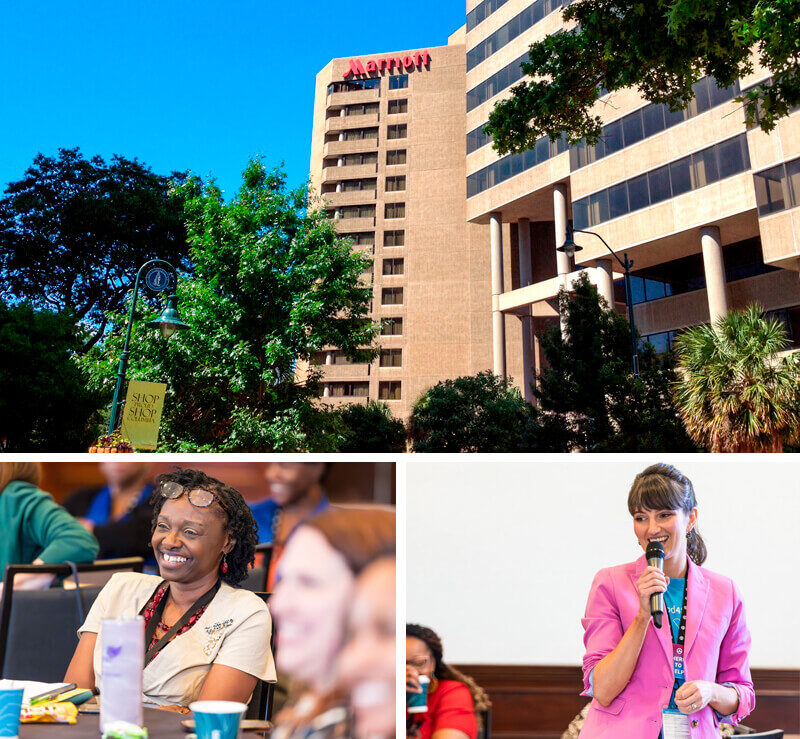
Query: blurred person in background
{"points": [[294, 493], [454, 699], [35, 529], [311, 603], [368, 664], [119, 513]]}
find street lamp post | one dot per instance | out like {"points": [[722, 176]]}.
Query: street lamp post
{"points": [[157, 274], [569, 247]]}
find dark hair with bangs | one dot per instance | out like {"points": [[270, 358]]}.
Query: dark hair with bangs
{"points": [[662, 487], [230, 505]]}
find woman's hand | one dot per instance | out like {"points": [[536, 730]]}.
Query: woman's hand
{"points": [[694, 696], [412, 680], [650, 582]]}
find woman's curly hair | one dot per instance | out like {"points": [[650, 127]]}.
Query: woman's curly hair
{"points": [[229, 504]]}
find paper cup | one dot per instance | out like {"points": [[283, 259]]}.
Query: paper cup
{"points": [[217, 719], [418, 702], [10, 707]]}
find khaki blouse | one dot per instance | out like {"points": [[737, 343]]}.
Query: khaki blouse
{"points": [[234, 631]]}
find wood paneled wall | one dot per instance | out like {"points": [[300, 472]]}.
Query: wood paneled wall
{"points": [[538, 702]]}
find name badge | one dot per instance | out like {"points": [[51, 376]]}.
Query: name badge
{"points": [[677, 661], [675, 725]]}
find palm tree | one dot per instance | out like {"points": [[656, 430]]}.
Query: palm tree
{"points": [[735, 393]]}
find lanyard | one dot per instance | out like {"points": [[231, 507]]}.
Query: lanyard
{"points": [[203, 600], [678, 656]]}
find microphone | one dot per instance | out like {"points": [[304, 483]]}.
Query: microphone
{"points": [[655, 558]]}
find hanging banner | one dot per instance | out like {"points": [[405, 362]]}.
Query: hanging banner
{"points": [[141, 415]]}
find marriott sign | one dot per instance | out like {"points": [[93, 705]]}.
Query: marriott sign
{"points": [[387, 63]]}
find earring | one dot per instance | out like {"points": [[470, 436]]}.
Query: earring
{"points": [[224, 566]]}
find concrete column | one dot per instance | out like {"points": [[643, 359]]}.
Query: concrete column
{"points": [[326, 390], [524, 247], [714, 267], [605, 280], [338, 187], [328, 358], [340, 162], [527, 357], [560, 220], [498, 320]]}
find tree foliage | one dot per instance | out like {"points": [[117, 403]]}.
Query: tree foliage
{"points": [[45, 405], [588, 395], [735, 393], [371, 428], [272, 284], [660, 47], [74, 231], [480, 413]]}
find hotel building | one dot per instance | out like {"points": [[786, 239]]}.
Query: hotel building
{"points": [[707, 209]]}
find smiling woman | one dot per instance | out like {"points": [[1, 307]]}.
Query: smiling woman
{"points": [[204, 638]]}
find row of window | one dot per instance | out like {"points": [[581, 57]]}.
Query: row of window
{"points": [[778, 188], [396, 82], [506, 77], [513, 164], [648, 121], [386, 390], [390, 210], [688, 173], [394, 183], [482, 11], [387, 358], [400, 105], [394, 131], [507, 33], [367, 238], [477, 139], [393, 157]]}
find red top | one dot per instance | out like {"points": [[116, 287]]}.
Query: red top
{"points": [[450, 706]]}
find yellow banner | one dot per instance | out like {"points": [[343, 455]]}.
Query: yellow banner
{"points": [[141, 415]]}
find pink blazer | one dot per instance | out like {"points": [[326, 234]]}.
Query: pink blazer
{"points": [[717, 649]]}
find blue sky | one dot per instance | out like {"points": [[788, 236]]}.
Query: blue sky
{"points": [[194, 85]]}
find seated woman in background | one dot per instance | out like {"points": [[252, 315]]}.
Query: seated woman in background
{"points": [[204, 638], [367, 665], [454, 700], [311, 603], [36, 530]]}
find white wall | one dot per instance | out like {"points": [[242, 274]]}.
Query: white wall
{"points": [[501, 552]]}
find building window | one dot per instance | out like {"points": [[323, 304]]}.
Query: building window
{"points": [[392, 327], [395, 210], [394, 238], [393, 266], [398, 106], [398, 81], [778, 188], [688, 173], [372, 83], [392, 296], [357, 211], [356, 160], [389, 390], [499, 81], [359, 134], [482, 11], [476, 139], [363, 109], [358, 185], [397, 131], [366, 238], [396, 156], [348, 389], [391, 358], [395, 184]]}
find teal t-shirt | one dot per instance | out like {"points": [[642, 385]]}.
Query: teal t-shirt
{"points": [[673, 603]]}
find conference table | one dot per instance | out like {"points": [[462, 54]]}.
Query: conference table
{"points": [[160, 725]]}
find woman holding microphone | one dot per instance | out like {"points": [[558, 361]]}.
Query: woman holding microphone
{"points": [[681, 680]]}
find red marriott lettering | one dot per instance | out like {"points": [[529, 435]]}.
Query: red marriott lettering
{"points": [[388, 63]]}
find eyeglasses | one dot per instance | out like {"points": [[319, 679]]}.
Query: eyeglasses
{"points": [[197, 496], [418, 663]]}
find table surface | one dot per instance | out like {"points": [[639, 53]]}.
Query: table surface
{"points": [[160, 725]]}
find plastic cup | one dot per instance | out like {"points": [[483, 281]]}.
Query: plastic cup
{"points": [[418, 702], [10, 707], [217, 719]]}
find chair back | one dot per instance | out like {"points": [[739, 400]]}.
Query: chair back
{"points": [[264, 553], [256, 580], [38, 628], [485, 730], [260, 706]]}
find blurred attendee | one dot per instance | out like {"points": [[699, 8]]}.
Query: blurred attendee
{"points": [[119, 513], [205, 639], [35, 529], [454, 699], [368, 663], [311, 602], [294, 493]]}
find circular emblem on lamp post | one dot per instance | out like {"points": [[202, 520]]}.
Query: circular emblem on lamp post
{"points": [[157, 279]]}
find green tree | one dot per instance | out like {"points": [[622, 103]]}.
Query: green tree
{"points": [[45, 405], [660, 47], [371, 428], [588, 395], [74, 231], [480, 413], [272, 285], [734, 392]]}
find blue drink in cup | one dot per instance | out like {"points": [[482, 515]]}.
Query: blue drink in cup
{"points": [[217, 719], [10, 707], [418, 702]]}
